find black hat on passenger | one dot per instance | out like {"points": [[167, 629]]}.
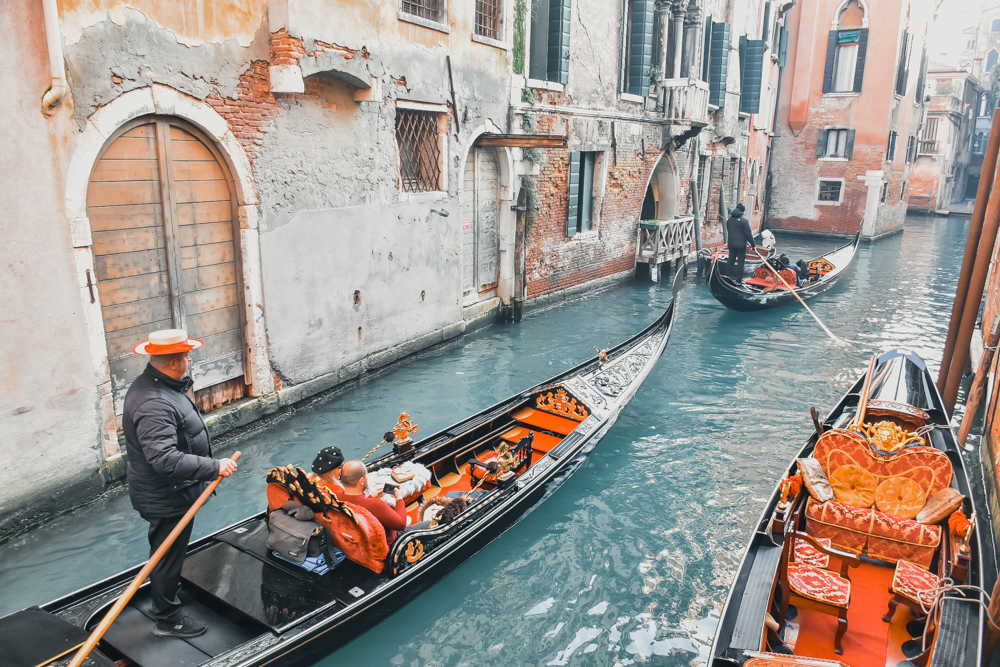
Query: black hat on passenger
{"points": [[328, 459]]}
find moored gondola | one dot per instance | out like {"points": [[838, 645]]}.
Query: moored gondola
{"points": [[882, 566], [263, 610], [749, 294]]}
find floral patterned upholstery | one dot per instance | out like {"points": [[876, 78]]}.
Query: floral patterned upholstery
{"points": [[808, 554], [820, 585], [887, 538], [909, 579]]}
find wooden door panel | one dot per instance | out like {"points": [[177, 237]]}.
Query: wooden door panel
{"points": [[110, 267], [190, 170], [217, 369], [467, 202], [125, 192], [184, 151], [487, 209], [186, 192], [207, 277], [136, 313], [203, 325], [132, 216], [133, 288], [121, 341], [132, 148], [207, 300], [127, 240], [206, 255], [125, 170], [205, 234], [215, 211]]}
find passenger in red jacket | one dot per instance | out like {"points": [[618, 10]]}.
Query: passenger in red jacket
{"points": [[354, 477]]}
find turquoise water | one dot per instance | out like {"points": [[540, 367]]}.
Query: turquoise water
{"points": [[631, 559]]}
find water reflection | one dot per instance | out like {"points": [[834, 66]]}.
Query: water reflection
{"points": [[631, 560]]}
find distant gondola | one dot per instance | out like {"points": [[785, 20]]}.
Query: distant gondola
{"points": [[748, 295], [262, 610], [841, 581]]}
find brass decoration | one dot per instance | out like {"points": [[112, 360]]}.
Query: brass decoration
{"points": [[887, 436], [603, 356], [414, 554], [560, 403], [305, 489], [404, 428]]}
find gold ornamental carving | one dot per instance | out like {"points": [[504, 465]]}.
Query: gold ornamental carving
{"points": [[414, 551], [888, 437], [404, 428], [560, 403]]}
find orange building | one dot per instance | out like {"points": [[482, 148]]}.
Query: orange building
{"points": [[848, 115]]}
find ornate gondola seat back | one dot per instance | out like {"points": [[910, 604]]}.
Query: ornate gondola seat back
{"points": [[497, 465], [353, 529]]}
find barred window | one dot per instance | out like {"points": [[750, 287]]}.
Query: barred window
{"points": [[425, 9], [829, 191], [419, 150], [488, 18]]}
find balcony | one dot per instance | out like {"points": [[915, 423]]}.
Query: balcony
{"points": [[663, 240], [927, 147], [684, 101]]}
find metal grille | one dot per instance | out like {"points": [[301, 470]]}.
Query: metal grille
{"points": [[425, 9], [829, 190], [419, 150], [488, 18]]}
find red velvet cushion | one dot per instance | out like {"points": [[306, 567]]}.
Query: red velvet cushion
{"points": [[821, 585], [910, 579], [806, 553]]}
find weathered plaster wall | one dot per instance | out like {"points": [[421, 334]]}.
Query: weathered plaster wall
{"points": [[401, 260], [48, 393]]}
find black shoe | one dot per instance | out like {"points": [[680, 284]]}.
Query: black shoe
{"points": [[184, 628]]}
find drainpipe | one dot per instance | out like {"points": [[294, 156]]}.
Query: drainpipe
{"points": [[53, 39]]}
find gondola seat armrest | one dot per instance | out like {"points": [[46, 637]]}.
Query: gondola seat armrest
{"points": [[846, 559]]}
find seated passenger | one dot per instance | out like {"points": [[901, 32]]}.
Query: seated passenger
{"points": [[354, 477], [805, 273], [327, 468]]}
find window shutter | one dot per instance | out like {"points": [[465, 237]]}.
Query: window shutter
{"points": [[753, 72], [641, 57], [707, 51], [766, 29], [849, 147], [559, 25], [821, 143], [720, 64], [574, 193], [901, 69], [783, 48], [831, 52], [623, 74], [918, 96], [859, 69]]}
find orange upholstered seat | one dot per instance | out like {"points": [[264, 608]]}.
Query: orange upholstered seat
{"points": [[543, 442], [910, 579], [549, 422], [818, 584], [805, 553]]}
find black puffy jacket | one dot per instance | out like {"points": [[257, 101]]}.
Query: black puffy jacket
{"points": [[739, 231], [169, 451]]}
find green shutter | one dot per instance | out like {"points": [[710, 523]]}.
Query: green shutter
{"points": [[752, 75], [849, 147], [574, 193], [859, 69], [901, 66], [559, 26], [641, 57], [718, 68], [821, 143], [766, 30], [831, 53], [783, 47], [707, 51]]}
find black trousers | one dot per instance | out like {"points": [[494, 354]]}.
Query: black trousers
{"points": [[734, 266], [165, 579]]}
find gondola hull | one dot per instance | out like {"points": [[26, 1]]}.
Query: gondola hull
{"points": [[741, 631], [605, 388], [742, 298]]}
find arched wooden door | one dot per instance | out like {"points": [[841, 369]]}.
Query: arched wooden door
{"points": [[162, 209], [480, 207]]}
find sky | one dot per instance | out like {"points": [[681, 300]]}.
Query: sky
{"points": [[953, 16]]}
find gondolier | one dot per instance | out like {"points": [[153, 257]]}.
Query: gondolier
{"points": [[169, 464], [740, 236]]}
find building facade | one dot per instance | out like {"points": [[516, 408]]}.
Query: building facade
{"points": [[940, 172], [847, 123]]}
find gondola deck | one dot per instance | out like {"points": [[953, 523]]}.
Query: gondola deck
{"points": [[265, 611], [749, 295], [743, 637]]}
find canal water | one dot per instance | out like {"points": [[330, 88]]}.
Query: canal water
{"points": [[630, 561]]}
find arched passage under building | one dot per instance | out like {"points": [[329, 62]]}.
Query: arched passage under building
{"points": [[660, 200]]}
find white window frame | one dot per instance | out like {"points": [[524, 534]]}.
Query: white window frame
{"points": [[848, 75], [443, 122], [819, 182], [440, 26]]}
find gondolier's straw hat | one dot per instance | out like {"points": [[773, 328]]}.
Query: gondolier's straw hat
{"points": [[167, 341]]}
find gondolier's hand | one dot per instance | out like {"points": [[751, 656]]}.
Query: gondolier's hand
{"points": [[227, 467]]}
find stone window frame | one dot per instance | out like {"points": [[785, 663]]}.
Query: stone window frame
{"points": [[819, 183], [441, 192], [441, 25]]}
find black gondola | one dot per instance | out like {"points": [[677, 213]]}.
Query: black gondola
{"points": [[751, 628], [265, 611], [748, 295]]}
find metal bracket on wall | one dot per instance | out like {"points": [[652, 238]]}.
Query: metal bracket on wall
{"points": [[90, 286]]}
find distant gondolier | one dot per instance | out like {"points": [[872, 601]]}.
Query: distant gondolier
{"points": [[169, 464], [740, 237]]}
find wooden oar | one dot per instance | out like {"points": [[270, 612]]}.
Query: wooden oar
{"points": [[110, 617], [859, 418], [783, 282]]}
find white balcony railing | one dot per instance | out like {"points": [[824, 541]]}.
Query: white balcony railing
{"points": [[685, 101], [668, 239]]}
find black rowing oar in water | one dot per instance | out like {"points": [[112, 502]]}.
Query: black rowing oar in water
{"points": [[110, 617], [783, 282]]}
